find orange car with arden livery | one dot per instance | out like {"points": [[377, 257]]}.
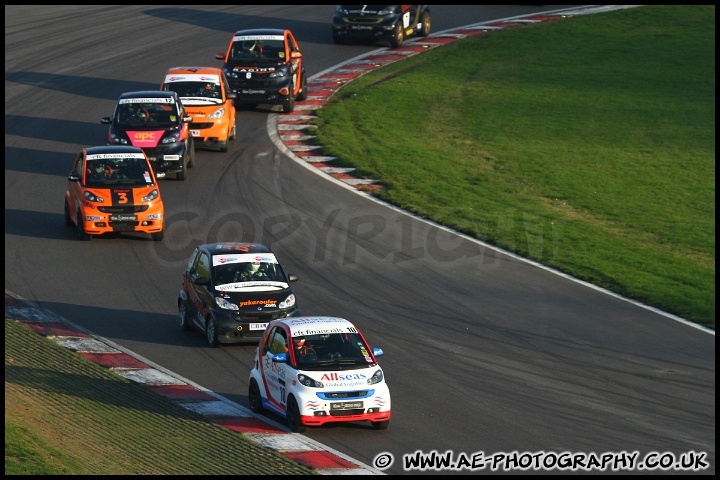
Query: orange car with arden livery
{"points": [[113, 189], [206, 94]]}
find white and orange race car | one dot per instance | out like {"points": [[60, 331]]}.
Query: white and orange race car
{"points": [[206, 94]]}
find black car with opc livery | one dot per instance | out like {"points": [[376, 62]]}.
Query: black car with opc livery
{"points": [[231, 291], [157, 122]]}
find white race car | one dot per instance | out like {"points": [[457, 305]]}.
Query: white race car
{"points": [[316, 370]]}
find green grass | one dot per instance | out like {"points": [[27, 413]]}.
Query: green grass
{"points": [[586, 144], [66, 415]]}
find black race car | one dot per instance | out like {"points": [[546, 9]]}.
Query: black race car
{"points": [[231, 291], [157, 122], [265, 66], [380, 23]]}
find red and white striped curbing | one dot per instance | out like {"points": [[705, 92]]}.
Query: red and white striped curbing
{"points": [[185, 393]]}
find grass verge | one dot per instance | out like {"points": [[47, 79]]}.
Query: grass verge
{"points": [[66, 415], [586, 144]]}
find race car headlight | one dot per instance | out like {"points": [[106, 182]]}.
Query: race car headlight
{"points": [[288, 302], [376, 378], [91, 197], [151, 196], [118, 138], [219, 113], [309, 382], [172, 137], [279, 73], [342, 11], [387, 11], [225, 305]]}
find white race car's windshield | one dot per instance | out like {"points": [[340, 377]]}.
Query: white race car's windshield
{"points": [[335, 350]]}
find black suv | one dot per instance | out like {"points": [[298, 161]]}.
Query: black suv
{"points": [[157, 122], [380, 23], [231, 291]]}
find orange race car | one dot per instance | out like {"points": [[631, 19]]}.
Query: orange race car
{"points": [[113, 189], [207, 97]]}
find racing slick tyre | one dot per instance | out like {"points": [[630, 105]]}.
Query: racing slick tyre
{"points": [[303, 91], [68, 220], [233, 132], [289, 104], [181, 174], [398, 36], [80, 228], [425, 25], [211, 332], [254, 397], [381, 425], [293, 416], [191, 154], [182, 316], [157, 237]]}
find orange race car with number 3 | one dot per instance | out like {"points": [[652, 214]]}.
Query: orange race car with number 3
{"points": [[113, 189]]}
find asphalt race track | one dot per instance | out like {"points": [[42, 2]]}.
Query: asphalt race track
{"points": [[484, 352]]}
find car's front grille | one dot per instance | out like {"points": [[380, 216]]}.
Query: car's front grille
{"points": [[363, 20], [128, 210], [357, 394], [200, 126], [345, 413]]}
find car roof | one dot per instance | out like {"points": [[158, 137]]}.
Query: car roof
{"points": [[300, 326], [112, 149], [192, 70], [262, 31], [227, 248], [147, 94]]}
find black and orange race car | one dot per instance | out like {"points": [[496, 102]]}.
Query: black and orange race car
{"points": [[207, 97], [113, 189], [231, 291], [380, 23], [265, 66], [157, 122]]}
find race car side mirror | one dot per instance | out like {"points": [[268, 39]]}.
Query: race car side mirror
{"points": [[74, 176]]}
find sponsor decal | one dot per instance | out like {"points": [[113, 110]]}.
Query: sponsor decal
{"points": [[147, 139], [265, 303], [240, 38], [169, 100], [243, 257], [99, 156], [334, 376], [242, 69], [194, 78]]}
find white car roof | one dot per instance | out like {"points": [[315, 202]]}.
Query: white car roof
{"points": [[301, 326]]}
